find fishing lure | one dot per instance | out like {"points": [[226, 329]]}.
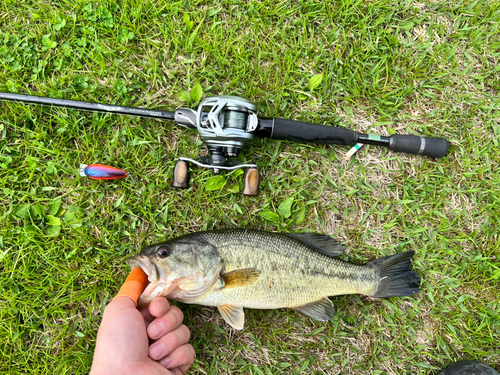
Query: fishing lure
{"points": [[226, 124], [101, 172]]}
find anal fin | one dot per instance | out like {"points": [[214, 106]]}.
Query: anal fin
{"points": [[321, 310], [233, 315]]}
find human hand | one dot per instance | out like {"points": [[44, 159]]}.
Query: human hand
{"points": [[124, 337]]}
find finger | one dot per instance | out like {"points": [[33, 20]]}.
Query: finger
{"points": [[134, 285], [184, 369], [147, 315], [166, 323], [119, 304], [182, 358], [159, 306], [169, 342]]}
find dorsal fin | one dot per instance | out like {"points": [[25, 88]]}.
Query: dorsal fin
{"points": [[240, 278], [322, 243]]}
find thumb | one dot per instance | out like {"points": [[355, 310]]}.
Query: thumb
{"points": [[122, 335], [135, 284]]}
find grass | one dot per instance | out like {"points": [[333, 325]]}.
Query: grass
{"points": [[427, 68]]}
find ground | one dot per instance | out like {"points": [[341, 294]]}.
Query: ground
{"points": [[426, 68]]}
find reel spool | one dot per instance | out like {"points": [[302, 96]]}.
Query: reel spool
{"points": [[226, 124]]}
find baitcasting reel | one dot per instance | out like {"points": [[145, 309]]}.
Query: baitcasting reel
{"points": [[225, 124]]}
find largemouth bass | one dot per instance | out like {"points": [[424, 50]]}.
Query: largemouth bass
{"points": [[237, 268]]}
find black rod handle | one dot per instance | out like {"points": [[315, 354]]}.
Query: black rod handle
{"points": [[303, 132], [411, 144]]}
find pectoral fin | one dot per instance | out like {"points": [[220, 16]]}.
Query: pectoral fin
{"points": [[321, 310], [240, 278], [234, 316]]}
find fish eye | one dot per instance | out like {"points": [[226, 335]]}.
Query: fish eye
{"points": [[163, 252]]}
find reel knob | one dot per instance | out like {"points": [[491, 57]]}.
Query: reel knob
{"points": [[181, 175], [251, 182]]}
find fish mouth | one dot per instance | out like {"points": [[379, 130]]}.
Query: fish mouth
{"points": [[150, 268], [158, 284], [161, 283]]}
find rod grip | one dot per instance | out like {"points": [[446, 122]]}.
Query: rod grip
{"points": [[296, 131], [411, 144]]}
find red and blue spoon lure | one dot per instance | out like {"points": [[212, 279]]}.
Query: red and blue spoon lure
{"points": [[101, 172]]}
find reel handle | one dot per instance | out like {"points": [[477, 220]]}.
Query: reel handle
{"points": [[180, 178], [252, 181], [181, 175]]}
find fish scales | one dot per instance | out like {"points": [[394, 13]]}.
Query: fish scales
{"points": [[292, 273], [237, 268]]}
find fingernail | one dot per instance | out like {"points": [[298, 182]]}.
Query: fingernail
{"points": [[166, 361], [160, 306], [156, 329], [156, 351]]}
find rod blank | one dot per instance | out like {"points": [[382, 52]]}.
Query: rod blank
{"points": [[88, 106]]}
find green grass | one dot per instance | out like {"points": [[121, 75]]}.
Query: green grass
{"points": [[428, 68]]}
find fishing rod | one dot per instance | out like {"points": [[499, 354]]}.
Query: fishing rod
{"points": [[227, 123]]}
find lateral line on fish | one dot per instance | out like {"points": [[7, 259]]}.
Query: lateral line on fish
{"points": [[272, 243], [267, 271]]}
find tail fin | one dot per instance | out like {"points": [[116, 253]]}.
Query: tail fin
{"points": [[396, 278]]}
